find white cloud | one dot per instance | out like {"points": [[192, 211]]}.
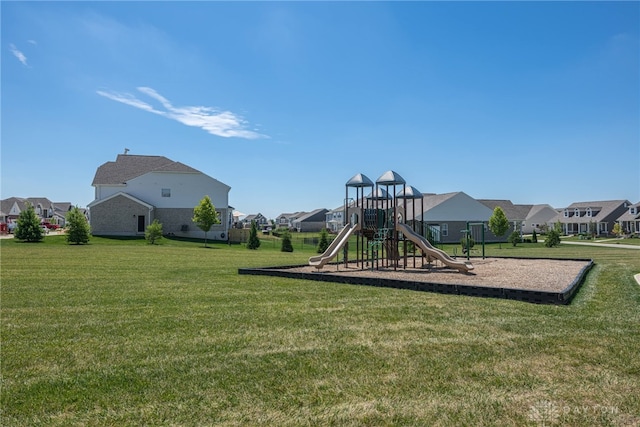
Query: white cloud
{"points": [[21, 57], [212, 120]]}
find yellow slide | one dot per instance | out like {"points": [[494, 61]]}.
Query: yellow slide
{"points": [[426, 248], [334, 248]]}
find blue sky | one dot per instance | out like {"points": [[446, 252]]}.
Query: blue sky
{"points": [[536, 102]]}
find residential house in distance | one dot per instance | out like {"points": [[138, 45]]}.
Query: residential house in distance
{"points": [[335, 219], [46, 210], [261, 221], [133, 191], [524, 218], [312, 221], [538, 217], [516, 214], [446, 216], [630, 220], [286, 220], [587, 217]]}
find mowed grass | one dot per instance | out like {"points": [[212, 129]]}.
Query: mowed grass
{"points": [[119, 332]]}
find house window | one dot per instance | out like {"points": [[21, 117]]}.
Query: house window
{"points": [[589, 213], [166, 192], [632, 210], [576, 212], [444, 229], [566, 213]]}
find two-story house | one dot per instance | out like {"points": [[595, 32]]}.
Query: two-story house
{"points": [[261, 221], [135, 190]]}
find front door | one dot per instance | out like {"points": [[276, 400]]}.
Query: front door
{"points": [[141, 223]]}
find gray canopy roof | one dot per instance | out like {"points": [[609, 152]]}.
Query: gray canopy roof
{"points": [[409, 193], [359, 180], [379, 194], [390, 178]]}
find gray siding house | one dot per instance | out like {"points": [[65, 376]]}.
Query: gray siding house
{"points": [[630, 220], [133, 191], [587, 217], [312, 221]]}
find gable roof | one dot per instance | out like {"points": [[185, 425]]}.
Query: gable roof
{"points": [[600, 210], [127, 167], [315, 215], [628, 216], [512, 212], [456, 206]]}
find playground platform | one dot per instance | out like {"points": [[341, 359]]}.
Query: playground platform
{"points": [[542, 281]]}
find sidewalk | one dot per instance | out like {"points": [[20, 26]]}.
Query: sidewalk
{"points": [[606, 245]]}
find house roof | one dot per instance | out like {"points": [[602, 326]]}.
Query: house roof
{"points": [[6, 204], [291, 215], [600, 209], [127, 167], [312, 214], [512, 212], [543, 209], [628, 216]]}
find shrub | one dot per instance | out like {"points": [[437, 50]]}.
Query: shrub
{"points": [[286, 242], [153, 232], [254, 242], [323, 244], [78, 229], [514, 238], [552, 239], [28, 228], [463, 242], [534, 237]]}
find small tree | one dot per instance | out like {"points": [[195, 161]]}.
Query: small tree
{"points": [[78, 229], [534, 237], [514, 238], [552, 239], [592, 229], [28, 228], [323, 244], [254, 242], [287, 246], [205, 215], [153, 233], [617, 229], [498, 223], [544, 228]]}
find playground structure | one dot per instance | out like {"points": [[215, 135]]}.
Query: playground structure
{"points": [[379, 222]]}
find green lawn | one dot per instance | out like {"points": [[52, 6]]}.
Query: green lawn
{"points": [[123, 333]]}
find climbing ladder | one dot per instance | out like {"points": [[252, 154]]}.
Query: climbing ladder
{"points": [[377, 243]]}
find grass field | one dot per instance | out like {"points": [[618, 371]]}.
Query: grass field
{"points": [[119, 332]]}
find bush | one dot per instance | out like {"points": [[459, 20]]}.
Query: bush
{"points": [[28, 228], [463, 242], [254, 242], [324, 241], [552, 239], [286, 242], [280, 231], [153, 232], [514, 238], [78, 229], [534, 237]]}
